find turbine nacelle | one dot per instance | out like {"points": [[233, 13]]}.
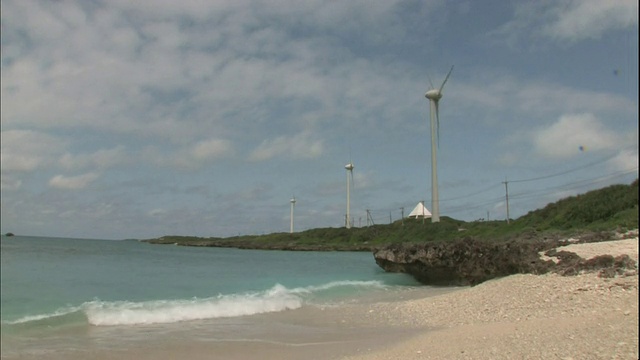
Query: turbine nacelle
{"points": [[349, 166], [433, 94], [436, 94]]}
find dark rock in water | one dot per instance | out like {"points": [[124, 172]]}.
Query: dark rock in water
{"points": [[9, 234], [464, 262]]}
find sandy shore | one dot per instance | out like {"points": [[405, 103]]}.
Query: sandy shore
{"points": [[523, 317]]}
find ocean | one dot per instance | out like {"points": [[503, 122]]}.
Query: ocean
{"points": [[68, 298]]}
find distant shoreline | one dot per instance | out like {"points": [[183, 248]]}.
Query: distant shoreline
{"points": [[255, 244], [265, 242]]}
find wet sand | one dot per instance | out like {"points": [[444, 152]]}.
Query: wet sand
{"points": [[312, 332]]}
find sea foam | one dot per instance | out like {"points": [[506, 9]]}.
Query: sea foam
{"points": [[44, 317], [277, 298], [101, 313]]}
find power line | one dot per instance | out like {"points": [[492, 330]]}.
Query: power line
{"points": [[473, 194], [539, 192], [567, 171], [475, 206], [574, 185]]}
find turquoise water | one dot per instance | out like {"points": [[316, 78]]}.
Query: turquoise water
{"points": [[62, 291]]}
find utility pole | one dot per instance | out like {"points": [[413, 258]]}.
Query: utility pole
{"points": [[369, 218], [402, 215], [506, 189], [390, 220]]}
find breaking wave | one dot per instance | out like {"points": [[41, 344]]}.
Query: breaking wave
{"points": [[278, 298]]}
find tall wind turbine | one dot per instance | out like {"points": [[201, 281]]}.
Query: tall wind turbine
{"points": [[434, 95], [293, 205], [349, 168]]}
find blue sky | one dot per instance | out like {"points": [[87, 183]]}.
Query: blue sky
{"points": [[137, 119]]}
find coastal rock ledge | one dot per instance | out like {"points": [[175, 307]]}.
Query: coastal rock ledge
{"points": [[470, 262]]}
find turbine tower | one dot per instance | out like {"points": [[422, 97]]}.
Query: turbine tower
{"points": [[349, 168], [293, 204], [434, 95]]}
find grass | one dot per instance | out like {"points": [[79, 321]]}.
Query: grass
{"points": [[608, 209]]}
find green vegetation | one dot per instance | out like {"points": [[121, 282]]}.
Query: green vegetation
{"points": [[608, 209]]}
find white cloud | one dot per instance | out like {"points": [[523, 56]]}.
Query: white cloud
{"points": [[190, 156], [102, 158], [25, 150], [72, 182], [568, 20], [9, 183], [299, 146], [211, 149], [578, 20], [572, 134], [157, 212], [161, 77], [499, 92], [625, 160], [552, 98]]}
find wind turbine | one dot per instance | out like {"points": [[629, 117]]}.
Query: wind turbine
{"points": [[293, 205], [434, 95], [349, 168]]}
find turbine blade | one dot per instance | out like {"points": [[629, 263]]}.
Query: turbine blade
{"points": [[353, 184], [445, 79], [430, 83]]}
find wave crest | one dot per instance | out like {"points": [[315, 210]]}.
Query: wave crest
{"points": [[278, 298], [101, 313]]}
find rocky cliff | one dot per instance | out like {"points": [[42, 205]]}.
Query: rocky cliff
{"points": [[463, 262], [470, 262]]}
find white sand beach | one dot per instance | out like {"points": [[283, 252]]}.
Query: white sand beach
{"points": [[524, 317]]}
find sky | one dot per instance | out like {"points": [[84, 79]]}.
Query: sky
{"points": [[137, 119]]}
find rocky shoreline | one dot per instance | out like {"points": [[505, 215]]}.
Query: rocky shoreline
{"points": [[462, 262], [256, 245], [471, 262]]}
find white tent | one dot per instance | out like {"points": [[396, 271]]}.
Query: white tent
{"points": [[420, 211]]}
